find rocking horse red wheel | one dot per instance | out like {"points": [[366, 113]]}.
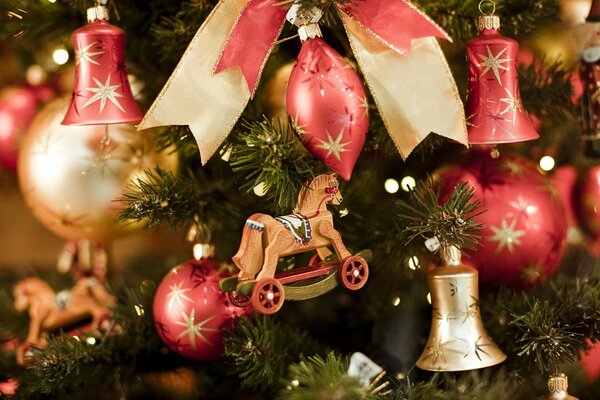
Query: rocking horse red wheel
{"points": [[238, 300], [354, 273], [267, 296]]}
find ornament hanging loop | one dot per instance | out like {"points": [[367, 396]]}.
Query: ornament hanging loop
{"points": [[490, 2], [488, 20]]}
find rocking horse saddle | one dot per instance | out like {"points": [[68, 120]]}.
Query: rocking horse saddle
{"points": [[298, 225]]}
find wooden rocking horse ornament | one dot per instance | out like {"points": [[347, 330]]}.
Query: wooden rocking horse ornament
{"points": [[50, 311], [265, 239]]}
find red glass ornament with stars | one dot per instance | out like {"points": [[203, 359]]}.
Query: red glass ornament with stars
{"points": [[102, 94], [524, 228], [494, 110], [328, 106], [191, 312]]}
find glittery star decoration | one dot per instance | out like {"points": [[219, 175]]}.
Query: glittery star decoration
{"points": [[335, 147], [104, 92], [513, 167], [84, 54], [177, 295], [318, 77], [513, 105], [364, 103], [476, 348], [532, 273], [507, 236], [494, 63], [523, 210], [470, 310], [346, 119], [194, 330], [439, 350], [297, 126]]}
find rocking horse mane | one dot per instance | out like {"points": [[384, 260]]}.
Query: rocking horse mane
{"points": [[309, 190]]}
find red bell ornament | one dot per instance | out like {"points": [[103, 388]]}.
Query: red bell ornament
{"points": [[327, 103], [494, 110], [102, 94]]}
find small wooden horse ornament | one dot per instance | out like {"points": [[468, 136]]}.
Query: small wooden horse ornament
{"points": [[310, 228], [50, 311]]}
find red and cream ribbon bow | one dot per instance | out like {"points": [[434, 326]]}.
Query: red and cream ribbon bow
{"points": [[394, 43]]}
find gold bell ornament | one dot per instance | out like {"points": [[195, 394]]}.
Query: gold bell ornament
{"points": [[558, 383], [457, 340]]}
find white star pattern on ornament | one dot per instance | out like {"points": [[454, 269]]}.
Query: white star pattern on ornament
{"points": [[334, 147], [523, 209], [177, 294], [494, 63], [513, 104], [103, 93], [194, 330], [84, 54], [507, 236]]}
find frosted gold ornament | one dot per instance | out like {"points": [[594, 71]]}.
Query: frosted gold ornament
{"points": [[72, 177], [457, 340]]}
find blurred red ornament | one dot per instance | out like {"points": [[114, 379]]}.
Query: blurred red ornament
{"points": [[494, 110], [586, 199], [327, 103], [524, 228], [565, 178], [18, 106], [191, 312], [9, 387], [590, 360], [102, 94]]}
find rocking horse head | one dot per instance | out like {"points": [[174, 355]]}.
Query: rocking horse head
{"points": [[29, 290], [320, 191], [21, 293]]}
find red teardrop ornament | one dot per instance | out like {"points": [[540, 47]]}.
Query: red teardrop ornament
{"points": [[326, 100]]}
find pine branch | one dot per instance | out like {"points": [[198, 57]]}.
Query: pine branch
{"points": [[260, 349], [270, 157], [547, 92], [315, 378], [547, 326], [452, 222], [161, 197], [488, 384]]}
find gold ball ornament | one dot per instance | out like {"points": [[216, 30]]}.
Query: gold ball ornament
{"points": [[72, 177]]}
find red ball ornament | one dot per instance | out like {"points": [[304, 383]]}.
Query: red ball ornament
{"points": [[18, 106], [590, 361], [564, 179], [586, 200], [524, 229], [327, 103], [191, 312]]}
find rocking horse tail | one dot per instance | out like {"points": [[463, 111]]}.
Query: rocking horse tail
{"points": [[249, 257]]}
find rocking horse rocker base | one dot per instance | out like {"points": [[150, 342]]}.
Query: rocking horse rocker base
{"points": [[266, 239]]}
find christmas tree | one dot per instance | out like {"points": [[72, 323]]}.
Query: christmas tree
{"points": [[299, 199]]}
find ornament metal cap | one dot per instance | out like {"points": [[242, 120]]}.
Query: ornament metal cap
{"points": [[488, 21], [558, 384], [457, 340], [99, 11]]}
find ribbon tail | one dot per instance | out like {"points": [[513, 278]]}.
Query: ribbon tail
{"points": [[415, 92], [210, 104]]}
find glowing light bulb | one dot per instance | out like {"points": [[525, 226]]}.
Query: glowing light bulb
{"points": [[391, 185], [547, 163], [91, 340], [396, 301], [429, 298], [60, 56], [52, 1], [413, 263], [408, 183]]}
